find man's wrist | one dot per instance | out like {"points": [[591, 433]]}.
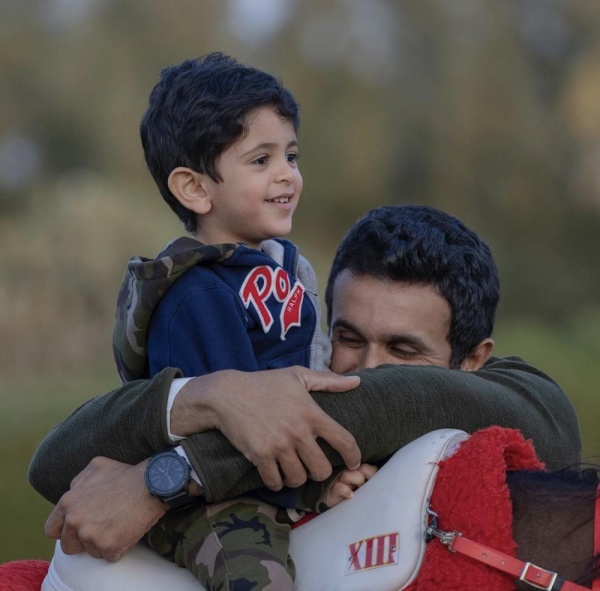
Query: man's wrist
{"points": [[196, 406], [154, 504]]}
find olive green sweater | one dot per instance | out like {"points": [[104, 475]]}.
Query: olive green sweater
{"points": [[393, 405]]}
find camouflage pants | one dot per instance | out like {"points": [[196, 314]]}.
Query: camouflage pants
{"points": [[237, 545]]}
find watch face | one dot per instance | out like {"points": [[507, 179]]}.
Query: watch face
{"points": [[167, 474]]}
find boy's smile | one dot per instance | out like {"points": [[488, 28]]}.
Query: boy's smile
{"points": [[261, 184]]}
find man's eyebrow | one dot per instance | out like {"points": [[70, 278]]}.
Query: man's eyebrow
{"points": [[344, 324], [270, 146]]}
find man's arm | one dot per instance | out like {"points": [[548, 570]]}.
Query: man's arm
{"points": [[276, 431], [395, 404], [392, 406]]}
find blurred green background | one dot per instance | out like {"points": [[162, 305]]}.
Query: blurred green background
{"points": [[489, 110]]}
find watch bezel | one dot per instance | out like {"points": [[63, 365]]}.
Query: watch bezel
{"points": [[165, 494]]}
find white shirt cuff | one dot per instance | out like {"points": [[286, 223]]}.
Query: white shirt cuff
{"points": [[175, 388], [182, 453]]}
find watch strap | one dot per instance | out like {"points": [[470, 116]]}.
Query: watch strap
{"points": [[180, 501]]}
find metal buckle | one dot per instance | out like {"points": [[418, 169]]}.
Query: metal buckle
{"points": [[433, 526], [536, 585], [445, 537]]}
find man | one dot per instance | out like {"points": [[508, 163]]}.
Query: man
{"points": [[410, 286]]}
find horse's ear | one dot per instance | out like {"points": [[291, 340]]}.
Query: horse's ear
{"points": [[478, 356]]}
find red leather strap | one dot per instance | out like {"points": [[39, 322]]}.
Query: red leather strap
{"points": [[304, 519], [525, 571]]}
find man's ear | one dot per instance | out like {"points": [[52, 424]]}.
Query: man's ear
{"points": [[189, 188], [478, 356]]}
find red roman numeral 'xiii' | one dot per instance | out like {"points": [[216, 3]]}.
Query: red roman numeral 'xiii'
{"points": [[373, 552]]}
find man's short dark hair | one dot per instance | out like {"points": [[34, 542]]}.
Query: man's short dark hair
{"points": [[197, 110], [423, 245]]}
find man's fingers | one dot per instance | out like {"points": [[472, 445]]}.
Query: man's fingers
{"points": [[331, 431], [113, 556], [79, 478], [340, 439], [70, 541], [323, 381], [92, 550], [294, 472], [71, 545], [314, 459], [54, 524], [279, 438], [269, 472]]}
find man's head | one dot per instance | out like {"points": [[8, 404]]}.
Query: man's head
{"points": [[198, 110], [411, 284]]}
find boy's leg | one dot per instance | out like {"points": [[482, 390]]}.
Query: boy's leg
{"points": [[237, 545]]}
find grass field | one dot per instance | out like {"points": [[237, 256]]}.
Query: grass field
{"points": [[32, 406]]}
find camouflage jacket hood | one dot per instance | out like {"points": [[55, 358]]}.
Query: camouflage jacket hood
{"points": [[144, 283]]}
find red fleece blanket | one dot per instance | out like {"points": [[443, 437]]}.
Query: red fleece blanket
{"points": [[471, 496], [22, 575]]}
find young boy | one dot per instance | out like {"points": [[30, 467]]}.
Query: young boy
{"points": [[220, 141]]}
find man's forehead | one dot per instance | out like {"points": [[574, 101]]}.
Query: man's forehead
{"points": [[394, 289], [358, 298]]}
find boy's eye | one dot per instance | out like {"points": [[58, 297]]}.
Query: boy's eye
{"points": [[292, 157], [261, 160]]}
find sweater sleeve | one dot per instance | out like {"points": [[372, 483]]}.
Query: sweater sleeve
{"points": [[127, 424]]}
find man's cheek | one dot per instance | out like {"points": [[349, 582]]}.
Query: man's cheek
{"points": [[343, 359]]}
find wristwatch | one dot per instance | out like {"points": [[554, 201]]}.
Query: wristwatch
{"points": [[167, 477]]}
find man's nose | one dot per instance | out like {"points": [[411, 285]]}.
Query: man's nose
{"points": [[371, 357]]}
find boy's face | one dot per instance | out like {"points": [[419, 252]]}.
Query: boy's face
{"points": [[261, 184]]}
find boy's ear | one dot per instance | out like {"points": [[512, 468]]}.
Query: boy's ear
{"points": [[478, 356], [189, 188]]}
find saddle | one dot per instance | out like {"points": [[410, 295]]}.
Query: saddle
{"points": [[376, 540]]}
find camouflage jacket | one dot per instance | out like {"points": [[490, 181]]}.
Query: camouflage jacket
{"points": [[147, 280]]}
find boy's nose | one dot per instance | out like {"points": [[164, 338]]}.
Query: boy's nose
{"points": [[285, 172]]}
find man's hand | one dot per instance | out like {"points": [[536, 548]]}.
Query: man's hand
{"points": [[270, 417], [106, 512]]}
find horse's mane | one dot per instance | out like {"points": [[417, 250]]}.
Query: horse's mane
{"points": [[574, 485], [578, 474]]}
